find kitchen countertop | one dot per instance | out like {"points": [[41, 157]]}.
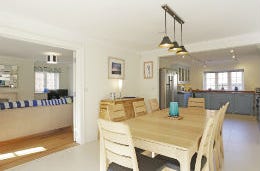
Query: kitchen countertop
{"points": [[183, 92], [221, 91]]}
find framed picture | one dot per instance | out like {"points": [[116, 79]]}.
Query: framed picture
{"points": [[148, 70], [116, 68]]}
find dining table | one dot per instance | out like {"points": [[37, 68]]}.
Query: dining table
{"points": [[177, 138]]}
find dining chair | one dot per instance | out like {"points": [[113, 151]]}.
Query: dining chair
{"points": [[218, 143], [196, 103], [203, 159], [116, 112], [139, 108], [154, 105], [117, 152]]}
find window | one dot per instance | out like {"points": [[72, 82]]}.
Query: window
{"points": [[210, 81], [227, 80], [49, 80]]}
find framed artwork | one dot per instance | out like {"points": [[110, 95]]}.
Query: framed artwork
{"points": [[148, 70], [116, 68]]}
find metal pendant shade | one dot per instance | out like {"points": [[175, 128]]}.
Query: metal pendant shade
{"points": [[183, 51], [166, 42], [175, 47]]}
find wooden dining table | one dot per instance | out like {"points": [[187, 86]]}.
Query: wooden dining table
{"points": [[178, 139]]}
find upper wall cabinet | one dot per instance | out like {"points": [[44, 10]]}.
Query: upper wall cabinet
{"points": [[183, 75], [8, 76]]}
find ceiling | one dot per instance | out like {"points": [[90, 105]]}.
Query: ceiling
{"points": [[214, 57], [28, 50], [139, 24]]}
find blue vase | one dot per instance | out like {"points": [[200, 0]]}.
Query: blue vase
{"points": [[174, 109]]}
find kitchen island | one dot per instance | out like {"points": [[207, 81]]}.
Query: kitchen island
{"points": [[241, 102]]}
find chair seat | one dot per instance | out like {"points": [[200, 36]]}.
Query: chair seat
{"points": [[175, 165], [144, 163]]}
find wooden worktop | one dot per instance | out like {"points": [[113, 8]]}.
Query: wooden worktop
{"points": [[221, 91], [122, 99]]}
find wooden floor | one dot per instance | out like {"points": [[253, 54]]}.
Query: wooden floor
{"points": [[52, 142]]}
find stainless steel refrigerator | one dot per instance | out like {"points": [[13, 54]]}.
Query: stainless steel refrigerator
{"points": [[168, 87]]}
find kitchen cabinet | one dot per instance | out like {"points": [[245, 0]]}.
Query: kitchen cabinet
{"points": [[244, 103], [183, 74], [182, 98], [239, 102]]}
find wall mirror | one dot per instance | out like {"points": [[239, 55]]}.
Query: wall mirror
{"points": [[8, 75]]}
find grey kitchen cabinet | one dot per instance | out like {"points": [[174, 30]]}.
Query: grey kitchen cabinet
{"points": [[217, 100], [239, 103], [183, 98], [244, 103]]}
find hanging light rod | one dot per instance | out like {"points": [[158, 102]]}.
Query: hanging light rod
{"points": [[172, 13]]}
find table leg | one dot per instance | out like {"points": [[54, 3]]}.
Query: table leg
{"points": [[185, 163]]}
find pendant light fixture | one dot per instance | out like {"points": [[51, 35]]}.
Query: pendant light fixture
{"points": [[176, 46], [166, 42], [183, 51]]}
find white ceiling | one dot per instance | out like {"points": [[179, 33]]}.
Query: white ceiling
{"points": [[27, 50], [137, 24]]}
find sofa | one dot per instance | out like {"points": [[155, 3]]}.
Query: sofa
{"points": [[24, 118]]}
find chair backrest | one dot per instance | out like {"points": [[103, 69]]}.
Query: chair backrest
{"points": [[221, 119], [139, 108], [154, 104], [116, 112], [116, 145], [207, 141], [196, 102]]}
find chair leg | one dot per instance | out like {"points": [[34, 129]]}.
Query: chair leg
{"points": [[221, 146], [216, 157], [211, 162]]}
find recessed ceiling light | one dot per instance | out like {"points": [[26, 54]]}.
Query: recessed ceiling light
{"points": [[232, 51], [233, 56]]}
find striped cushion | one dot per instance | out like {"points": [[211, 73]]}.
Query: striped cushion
{"points": [[34, 103]]}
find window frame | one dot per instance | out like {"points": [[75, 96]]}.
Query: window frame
{"points": [[229, 79], [56, 77]]}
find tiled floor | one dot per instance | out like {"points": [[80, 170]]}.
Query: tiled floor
{"points": [[241, 143]]}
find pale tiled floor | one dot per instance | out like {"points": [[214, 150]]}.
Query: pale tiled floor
{"points": [[241, 143]]}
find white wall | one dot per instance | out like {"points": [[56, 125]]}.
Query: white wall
{"points": [[149, 88], [250, 64], [25, 89], [97, 84]]}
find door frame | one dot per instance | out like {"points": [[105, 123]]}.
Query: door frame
{"points": [[78, 72]]}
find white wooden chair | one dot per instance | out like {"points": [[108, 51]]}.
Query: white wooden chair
{"points": [[196, 103], [117, 150], [204, 158], [116, 112], [139, 108], [154, 104], [218, 145], [116, 145]]}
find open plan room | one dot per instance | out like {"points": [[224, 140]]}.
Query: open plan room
{"points": [[129, 85]]}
